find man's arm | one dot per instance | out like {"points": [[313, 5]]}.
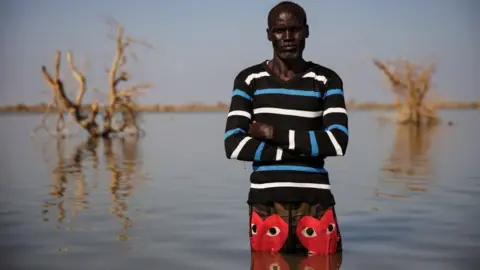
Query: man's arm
{"points": [[333, 140], [238, 144]]}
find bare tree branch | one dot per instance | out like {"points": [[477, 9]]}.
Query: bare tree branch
{"points": [[410, 84], [117, 101]]}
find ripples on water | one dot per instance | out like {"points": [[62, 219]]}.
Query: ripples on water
{"points": [[69, 173], [407, 198]]}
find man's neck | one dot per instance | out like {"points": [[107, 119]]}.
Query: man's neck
{"points": [[287, 69]]}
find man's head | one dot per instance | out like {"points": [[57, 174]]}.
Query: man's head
{"points": [[287, 30]]}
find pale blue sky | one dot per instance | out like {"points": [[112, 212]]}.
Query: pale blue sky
{"points": [[201, 45]]}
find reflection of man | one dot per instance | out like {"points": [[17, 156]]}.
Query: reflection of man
{"points": [[266, 260], [286, 115]]}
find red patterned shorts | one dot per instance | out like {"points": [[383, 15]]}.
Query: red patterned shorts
{"points": [[294, 228]]}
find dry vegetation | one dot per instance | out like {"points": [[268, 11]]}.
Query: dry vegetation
{"points": [[411, 84], [119, 112]]}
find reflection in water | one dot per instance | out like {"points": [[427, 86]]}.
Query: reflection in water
{"points": [[408, 167], [275, 261], [69, 174]]}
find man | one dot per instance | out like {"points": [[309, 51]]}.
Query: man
{"points": [[286, 116]]}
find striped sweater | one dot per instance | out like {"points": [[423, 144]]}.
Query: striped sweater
{"points": [[310, 121]]}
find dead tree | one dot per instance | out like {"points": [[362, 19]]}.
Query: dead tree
{"points": [[410, 84], [119, 100], [60, 124]]}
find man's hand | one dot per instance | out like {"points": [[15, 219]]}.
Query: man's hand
{"points": [[261, 131]]}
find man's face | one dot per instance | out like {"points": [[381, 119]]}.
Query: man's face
{"points": [[288, 34]]}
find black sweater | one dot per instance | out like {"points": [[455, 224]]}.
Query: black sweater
{"points": [[310, 123]]}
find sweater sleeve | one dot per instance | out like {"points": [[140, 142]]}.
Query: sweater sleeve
{"points": [[238, 145], [333, 139]]}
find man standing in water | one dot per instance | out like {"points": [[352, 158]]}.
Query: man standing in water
{"points": [[286, 116]]}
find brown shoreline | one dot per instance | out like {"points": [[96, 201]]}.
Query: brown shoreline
{"points": [[41, 108]]}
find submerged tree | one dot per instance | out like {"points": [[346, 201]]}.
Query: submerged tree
{"points": [[410, 84], [119, 113]]}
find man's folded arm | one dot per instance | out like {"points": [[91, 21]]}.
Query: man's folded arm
{"points": [[331, 141], [238, 144]]}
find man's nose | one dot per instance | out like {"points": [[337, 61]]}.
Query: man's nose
{"points": [[288, 34]]}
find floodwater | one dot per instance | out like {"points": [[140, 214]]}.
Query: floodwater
{"points": [[406, 198]]}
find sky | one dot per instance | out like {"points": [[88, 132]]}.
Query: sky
{"points": [[200, 46]]}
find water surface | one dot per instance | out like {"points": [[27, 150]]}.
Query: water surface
{"points": [[406, 198]]}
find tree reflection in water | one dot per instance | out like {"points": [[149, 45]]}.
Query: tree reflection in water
{"points": [[70, 192], [409, 167]]}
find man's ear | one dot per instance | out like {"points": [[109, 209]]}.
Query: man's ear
{"points": [[268, 35], [307, 31]]}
